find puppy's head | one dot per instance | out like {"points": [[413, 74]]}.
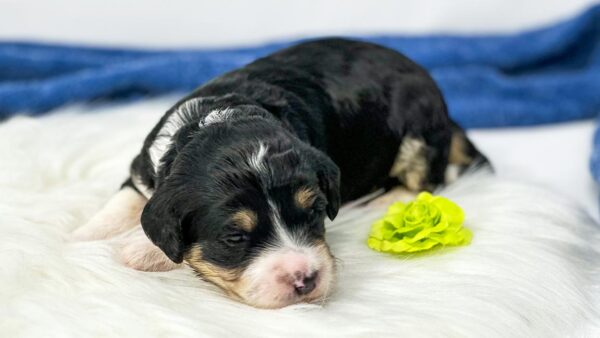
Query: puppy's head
{"points": [[251, 220]]}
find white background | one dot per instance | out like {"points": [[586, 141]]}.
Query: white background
{"points": [[185, 23]]}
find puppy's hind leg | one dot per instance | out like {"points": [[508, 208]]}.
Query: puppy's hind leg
{"points": [[463, 156], [121, 213], [412, 164]]}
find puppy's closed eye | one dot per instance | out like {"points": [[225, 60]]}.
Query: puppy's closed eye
{"points": [[235, 238]]}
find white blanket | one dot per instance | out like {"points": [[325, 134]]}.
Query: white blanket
{"points": [[531, 270]]}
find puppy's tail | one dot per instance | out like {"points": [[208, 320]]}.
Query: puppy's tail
{"points": [[464, 156]]}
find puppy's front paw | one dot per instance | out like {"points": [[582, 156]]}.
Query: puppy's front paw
{"points": [[95, 230], [121, 213], [138, 252]]}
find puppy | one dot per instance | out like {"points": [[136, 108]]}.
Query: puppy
{"points": [[238, 177]]}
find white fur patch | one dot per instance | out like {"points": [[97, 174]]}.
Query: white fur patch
{"points": [[256, 160], [145, 190], [268, 277], [179, 118], [217, 116], [283, 237], [164, 137]]}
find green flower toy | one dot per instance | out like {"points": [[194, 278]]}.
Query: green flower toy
{"points": [[425, 223]]}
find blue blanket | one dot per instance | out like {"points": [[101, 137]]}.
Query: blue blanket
{"points": [[541, 76]]}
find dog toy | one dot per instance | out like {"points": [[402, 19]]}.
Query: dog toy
{"points": [[425, 223]]}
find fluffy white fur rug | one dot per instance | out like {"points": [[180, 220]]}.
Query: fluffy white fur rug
{"points": [[531, 270]]}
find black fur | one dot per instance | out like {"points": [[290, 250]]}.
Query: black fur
{"points": [[332, 114]]}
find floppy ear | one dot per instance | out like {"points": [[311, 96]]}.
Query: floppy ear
{"points": [[328, 174], [162, 224]]}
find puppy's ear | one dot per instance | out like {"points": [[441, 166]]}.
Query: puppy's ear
{"points": [[162, 224], [328, 174]]}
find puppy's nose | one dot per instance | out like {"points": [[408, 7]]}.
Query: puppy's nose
{"points": [[306, 284]]}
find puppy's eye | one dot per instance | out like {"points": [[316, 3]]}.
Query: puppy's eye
{"points": [[236, 238]]}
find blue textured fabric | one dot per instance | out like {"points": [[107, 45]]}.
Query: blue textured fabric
{"points": [[542, 76]]}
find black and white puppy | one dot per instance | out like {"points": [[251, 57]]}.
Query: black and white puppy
{"points": [[238, 177]]}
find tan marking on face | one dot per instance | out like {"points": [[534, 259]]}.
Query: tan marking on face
{"points": [[328, 273], [323, 249], [458, 148], [227, 279], [245, 219], [305, 197]]}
